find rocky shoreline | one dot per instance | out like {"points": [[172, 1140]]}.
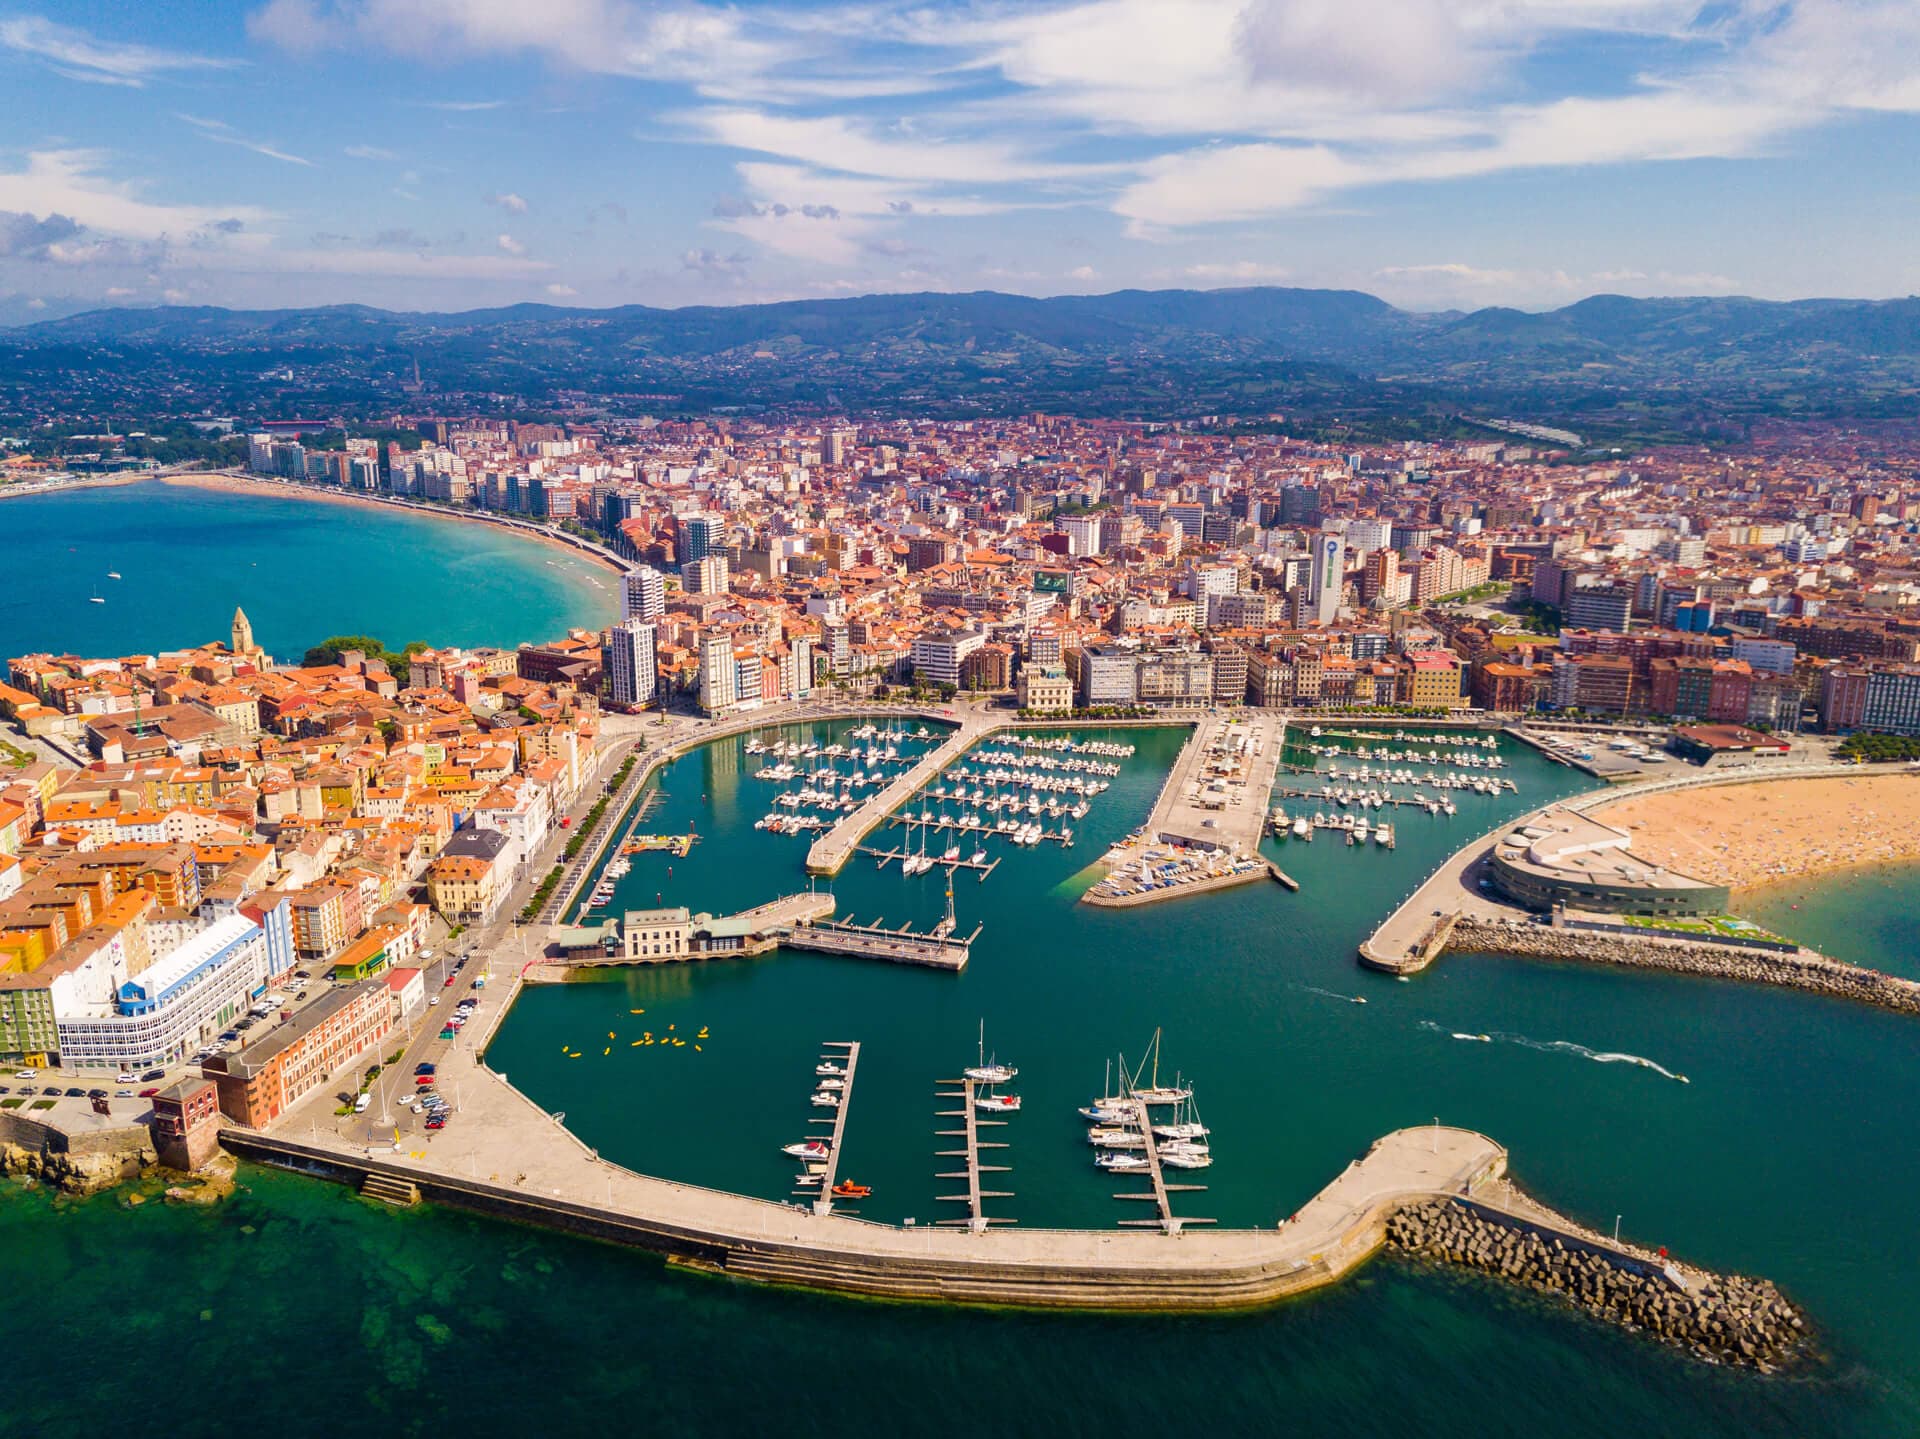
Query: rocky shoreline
{"points": [[1722, 1319], [77, 1174], [1805, 970]]}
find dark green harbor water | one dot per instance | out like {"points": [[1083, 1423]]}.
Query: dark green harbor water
{"points": [[1789, 1153], [187, 556]]}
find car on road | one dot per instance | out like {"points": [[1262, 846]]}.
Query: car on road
{"points": [[302, 974], [23, 1074], [123, 1094]]}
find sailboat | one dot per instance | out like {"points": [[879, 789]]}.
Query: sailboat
{"points": [[984, 1073], [1157, 1093]]}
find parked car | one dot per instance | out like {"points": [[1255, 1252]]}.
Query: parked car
{"points": [[423, 1081], [150, 1092], [96, 1094], [437, 1122], [123, 1094], [125, 1076], [424, 1067], [76, 1093], [23, 1074], [154, 1074]]}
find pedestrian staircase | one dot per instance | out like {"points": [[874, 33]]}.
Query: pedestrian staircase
{"points": [[401, 1193]]}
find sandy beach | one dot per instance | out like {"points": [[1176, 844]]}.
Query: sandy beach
{"points": [[247, 485], [1748, 835]]}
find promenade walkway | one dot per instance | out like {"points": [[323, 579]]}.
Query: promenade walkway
{"points": [[506, 1156]]}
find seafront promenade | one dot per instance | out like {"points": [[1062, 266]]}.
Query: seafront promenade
{"points": [[507, 1157]]}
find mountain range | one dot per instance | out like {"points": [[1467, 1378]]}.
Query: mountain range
{"points": [[1133, 351]]}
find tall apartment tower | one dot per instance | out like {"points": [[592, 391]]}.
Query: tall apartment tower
{"points": [[1329, 567], [629, 663], [646, 594], [719, 679]]}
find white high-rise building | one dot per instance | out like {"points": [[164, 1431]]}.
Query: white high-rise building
{"points": [[646, 594], [719, 678], [629, 661], [1329, 569]]}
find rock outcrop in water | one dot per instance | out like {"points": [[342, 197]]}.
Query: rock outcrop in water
{"points": [[1728, 1320]]}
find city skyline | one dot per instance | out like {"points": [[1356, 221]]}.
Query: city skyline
{"points": [[462, 153]]}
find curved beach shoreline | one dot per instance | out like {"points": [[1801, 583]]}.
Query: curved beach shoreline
{"points": [[250, 485], [1751, 835]]}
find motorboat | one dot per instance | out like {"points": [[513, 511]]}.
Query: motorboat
{"points": [[808, 1149], [826, 1099], [1114, 1159]]}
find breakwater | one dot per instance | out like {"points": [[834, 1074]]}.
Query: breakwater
{"points": [[1802, 970], [1727, 1319]]}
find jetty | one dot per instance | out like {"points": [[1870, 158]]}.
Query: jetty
{"points": [[965, 1091], [850, 1052], [1215, 797], [1162, 1192], [830, 852], [884, 857]]}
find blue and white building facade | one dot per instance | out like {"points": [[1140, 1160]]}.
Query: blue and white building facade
{"points": [[108, 1019]]}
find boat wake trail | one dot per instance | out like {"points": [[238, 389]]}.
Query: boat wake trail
{"points": [[1331, 994], [1563, 1046]]}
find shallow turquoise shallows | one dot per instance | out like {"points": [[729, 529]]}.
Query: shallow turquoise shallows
{"points": [[1789, 1153], [302, 569]]}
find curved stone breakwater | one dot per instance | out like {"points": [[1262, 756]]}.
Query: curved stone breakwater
{"points": [[1805, 970], [1723, 1319]]}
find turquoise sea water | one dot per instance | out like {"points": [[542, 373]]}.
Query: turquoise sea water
{"points": [[302, 569], [1788, 1154]]}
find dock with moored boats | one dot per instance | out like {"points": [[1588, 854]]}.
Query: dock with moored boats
{"points": [[967, 1093], [849, 1051]]}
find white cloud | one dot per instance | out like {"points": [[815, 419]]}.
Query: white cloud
{"points": [[1239, 272], [370, 152], [562, 291], [510, 246], [80, 56], [70, 182], [834, 142], [220, 132], [509, 202], [1083, 273]]}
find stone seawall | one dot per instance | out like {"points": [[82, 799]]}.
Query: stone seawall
{"points": [[81, 1161], [1727, 1319], [1804, 970]]}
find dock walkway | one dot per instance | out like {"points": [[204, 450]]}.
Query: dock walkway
{"points": [[850, 1051], [507, 1157]]}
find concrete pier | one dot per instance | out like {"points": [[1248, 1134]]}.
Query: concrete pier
{"points": [[1202, 804], [829, 853], [506, 1157]]}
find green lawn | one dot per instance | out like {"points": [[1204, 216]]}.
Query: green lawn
{"points": [[1726, 925]]}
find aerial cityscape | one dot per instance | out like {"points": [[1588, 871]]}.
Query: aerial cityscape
{"points": [[736, 785]]}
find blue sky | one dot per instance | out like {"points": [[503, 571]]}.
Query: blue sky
{"points": [[445, 154]]}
